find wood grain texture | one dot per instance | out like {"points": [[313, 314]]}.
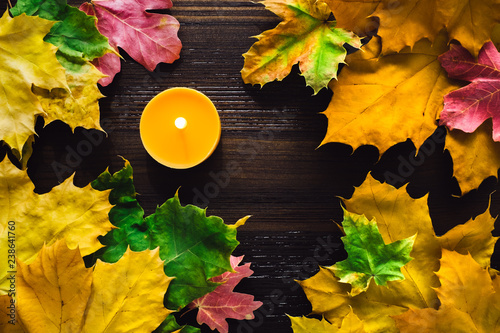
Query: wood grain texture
{"points": [[290, 186]]}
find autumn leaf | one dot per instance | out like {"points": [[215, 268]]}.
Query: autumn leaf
{"points": [[475, 151], [80, 106], [169, 325], [306, 36], [354, 15], [368, 256], [404, 23], [56, 293], [185, 235], [375, 100], [79, 215], [9, 319], [110, 63], [27, 60], [149, 38], [398, 216], [469, 300], [350, 324], [468, 107], [222, 303], [74, 33]]}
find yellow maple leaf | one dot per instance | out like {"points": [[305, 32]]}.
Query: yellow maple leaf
{"points": [[469, 300], [350, 324], [80, 106], [398, 216], [26, 61], [56, 293], [30, 220], [383, 101], [404, 23], [354, 15], [475, 156]]}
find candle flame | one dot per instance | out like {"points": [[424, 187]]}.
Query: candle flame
{"points": [[180, 123]]}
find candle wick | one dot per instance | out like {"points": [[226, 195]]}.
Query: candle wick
{"points": [[180, 123]]}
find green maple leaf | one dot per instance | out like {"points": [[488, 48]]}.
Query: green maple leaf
{"points": [[75, 33], [368, 255], [170, 325], [194, 247]]}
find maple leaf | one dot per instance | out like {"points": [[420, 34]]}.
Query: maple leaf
{"points": [[372, 92], [350, 324], [148, 38], [354, 15], [468, 107], [475, 151], [305, 36], [185, 235], [76, 214], [404, 23], [223, 302], [368, 256], [56, 293], [169, 325], [398, 216], [80, 106], [27, 60], [469, 300], [74, 33]]}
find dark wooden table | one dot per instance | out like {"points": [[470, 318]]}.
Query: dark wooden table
{"points": [[291, 188]]}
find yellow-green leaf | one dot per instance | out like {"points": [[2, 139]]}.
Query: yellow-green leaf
{"points": [[80, 106], [79, 215], [306, 36], [27, 60]]}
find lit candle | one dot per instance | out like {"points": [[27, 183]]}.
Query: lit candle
{"points": [[180, 128]]}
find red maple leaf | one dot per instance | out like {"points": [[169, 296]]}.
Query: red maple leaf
{"points": [[223, 302], [149, 38], [468, 107]]}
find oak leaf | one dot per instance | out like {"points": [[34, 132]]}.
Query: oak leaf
{"points": [[374, 100], [475, 151], [468, 107], [74, 33], [350, 324], [56, 293], [398, 216], [187, 237], [222, 303], [368, 256], [79, 215], [306, 36], [149, 38], [404, 23], [28, 61], [469, 300]]}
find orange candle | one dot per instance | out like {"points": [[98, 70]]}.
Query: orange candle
{"points": [[180, 128]]}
